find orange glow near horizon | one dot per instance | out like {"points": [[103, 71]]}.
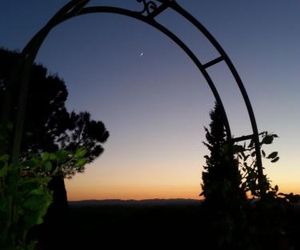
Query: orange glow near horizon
{"points": [[156, 182], [152, 183], [160, 177], [76, 192]]}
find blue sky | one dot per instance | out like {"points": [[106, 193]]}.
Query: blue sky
{"points": [[153, 100]]}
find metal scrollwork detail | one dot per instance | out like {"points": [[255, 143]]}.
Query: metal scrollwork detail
{"points": [[149, 6]]}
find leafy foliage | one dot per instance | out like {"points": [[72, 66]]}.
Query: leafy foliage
{"points": [[25, 196], [24, 193], [248, 165]]}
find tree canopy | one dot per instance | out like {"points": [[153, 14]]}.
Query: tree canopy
{"points": [[49, 126], [51, 134]]}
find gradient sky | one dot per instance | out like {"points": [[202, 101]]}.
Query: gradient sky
{"points": [[153, 100]]}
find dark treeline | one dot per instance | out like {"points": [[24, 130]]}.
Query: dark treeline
{"points": [[140, 227]]}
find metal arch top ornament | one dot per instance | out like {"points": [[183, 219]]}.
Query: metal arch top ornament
{"points": [[149, 6]]}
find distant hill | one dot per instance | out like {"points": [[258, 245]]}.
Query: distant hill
{"points": [[148, 202]]}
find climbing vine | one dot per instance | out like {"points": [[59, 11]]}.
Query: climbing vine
{"points": [[246, 155]]}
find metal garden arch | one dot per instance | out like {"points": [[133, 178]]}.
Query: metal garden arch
{"points": [[150, 10]]}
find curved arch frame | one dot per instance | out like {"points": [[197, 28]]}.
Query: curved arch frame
{"points": [[78, 8]]}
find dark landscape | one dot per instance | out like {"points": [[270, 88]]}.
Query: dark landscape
{"points": [[174, 223], [93, 224]]}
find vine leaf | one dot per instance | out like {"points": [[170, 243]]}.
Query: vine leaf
{"points": [[275, 159], [268, 139], [272, 155]]}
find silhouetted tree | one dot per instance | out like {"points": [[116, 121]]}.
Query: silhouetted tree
{"points": [[48, 125], [221, 178]]}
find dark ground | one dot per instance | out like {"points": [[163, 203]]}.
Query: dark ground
{"points": [[138, 226]]}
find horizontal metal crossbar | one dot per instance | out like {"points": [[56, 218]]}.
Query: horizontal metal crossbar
{"points": [[243, 138], [213, 62]]}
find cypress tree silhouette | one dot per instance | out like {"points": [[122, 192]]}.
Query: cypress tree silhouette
{"points": [[221, 186], [221, 178]]}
